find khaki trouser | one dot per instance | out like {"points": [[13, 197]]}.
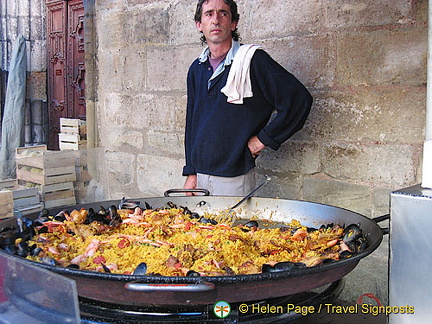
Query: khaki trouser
{"points": [[227, 186]]}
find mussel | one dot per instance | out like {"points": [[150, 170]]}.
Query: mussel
{"points": [[282, 266], [141, 269], [171, 204], [128, 203], [192, 273], [61, 215], [205, 220], [352, 233], [105, 268], [114, 217]]}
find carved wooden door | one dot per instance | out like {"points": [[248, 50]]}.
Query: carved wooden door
{"points": [[66, 66]]}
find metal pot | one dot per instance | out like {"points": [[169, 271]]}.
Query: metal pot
{"points": [[158, 290]]}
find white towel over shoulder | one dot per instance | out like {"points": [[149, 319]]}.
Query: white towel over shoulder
{"points": [[238, 84]]}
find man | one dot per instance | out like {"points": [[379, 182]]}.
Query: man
{"points": [[222, 138]]}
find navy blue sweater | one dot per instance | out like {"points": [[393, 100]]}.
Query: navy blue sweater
{"points": [[217, 132]]}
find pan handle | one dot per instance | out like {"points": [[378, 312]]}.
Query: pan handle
{"points": [[170, 191], [150, 287], [378, 219]]}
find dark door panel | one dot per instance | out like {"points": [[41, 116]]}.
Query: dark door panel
{"points": [[66, 66]]}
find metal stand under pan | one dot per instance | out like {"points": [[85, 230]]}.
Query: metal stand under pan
{"points": [[93, 311]]}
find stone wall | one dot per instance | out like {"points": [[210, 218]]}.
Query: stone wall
{"points": [[27, 18], [363, 61]]}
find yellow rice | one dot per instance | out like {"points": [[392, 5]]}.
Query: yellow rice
{"points": [[171, 244]]}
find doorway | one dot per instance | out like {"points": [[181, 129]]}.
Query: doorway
{"points": [[66, 64]]}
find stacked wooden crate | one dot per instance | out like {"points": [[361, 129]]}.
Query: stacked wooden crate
{"points": [[14, 197], [83, 176], [52, 172], [73, 134]]}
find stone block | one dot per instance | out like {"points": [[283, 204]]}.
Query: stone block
{"points": [[115, 70], [143, 112], [311, 59], [271, 18], [37, 8], [37, 28], [120, 168], [138, 26], [37, 53], [349, 14], [168, 66], [117, 5], [168, 144], [354, 197], [36, 112], [286, 186], [156, 174], [36, 86], [390, 165], [23, 9], [382, 57], [383, 115], [37, 134], [182, 25], [293, 156], [120, 138]]}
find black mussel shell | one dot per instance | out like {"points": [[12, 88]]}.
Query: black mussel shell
{"points": [[330, 225], [44, 213], [102, 211], [266, 268], [73, 266], [282, 266], [147, 206], [345, 255], [141, 269], [22, 249], [40, 220], [171, 204], [105, 268], [251, 224], [351, 233], [35, 251], [128, 204], [43, 229], [362, 244], [194, 215], [205, 220], [186, 210], [328, 261], [61, 216], [287, 265], [311, 229], [192, 273]]}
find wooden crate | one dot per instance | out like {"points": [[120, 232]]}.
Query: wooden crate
{"points": [[6, 204], [73, 126], [58, 194], [14, 197], [38, 165], [71, 142]]}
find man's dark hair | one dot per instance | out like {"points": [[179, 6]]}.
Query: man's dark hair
{"points": [[234, 13]]}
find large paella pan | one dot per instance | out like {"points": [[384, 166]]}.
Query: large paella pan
{"points": [[151, 288]]}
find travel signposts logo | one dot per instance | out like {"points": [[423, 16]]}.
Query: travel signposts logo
{"points": [[222, 309]]}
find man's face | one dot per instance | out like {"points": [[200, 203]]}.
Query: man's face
{"points": [[216, 24]]}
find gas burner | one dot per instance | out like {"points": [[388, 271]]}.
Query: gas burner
{"points": [[93, 311]]}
